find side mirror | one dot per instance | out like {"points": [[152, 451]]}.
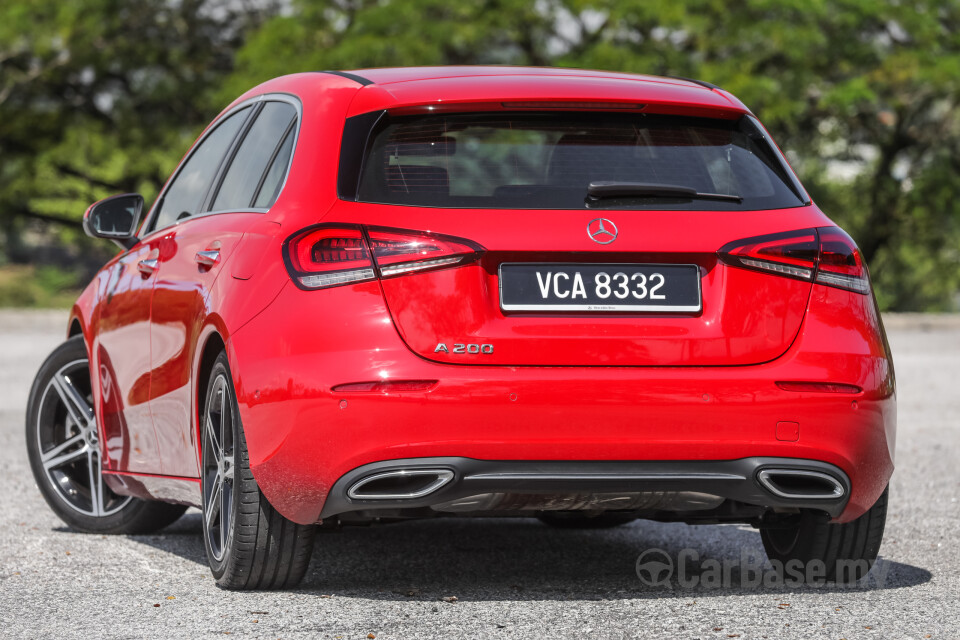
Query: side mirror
{"points": [[115, 218]]}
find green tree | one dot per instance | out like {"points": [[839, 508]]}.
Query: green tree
{"points": [[103, 96], [861, 93], [99, 96]]}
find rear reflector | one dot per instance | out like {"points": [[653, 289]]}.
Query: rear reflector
{"points": [[825, 255], [385, 386], [819, 387], [330, 255]]}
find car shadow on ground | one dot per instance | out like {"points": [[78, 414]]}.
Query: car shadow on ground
{"points": [[521, 559]]}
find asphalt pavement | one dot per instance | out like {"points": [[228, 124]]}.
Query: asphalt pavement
{"points": [[495, 578]]}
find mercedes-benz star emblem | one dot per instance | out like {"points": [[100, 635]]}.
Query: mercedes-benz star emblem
{"points": [[602, 231]]}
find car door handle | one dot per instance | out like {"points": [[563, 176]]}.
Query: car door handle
{"points": [[148, 266], [208, 258]]}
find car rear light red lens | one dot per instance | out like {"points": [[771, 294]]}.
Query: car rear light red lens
{"points": [[399, 251], [825, 255], [320, 257], [841, 264], [331, 255], [385, 386], [792, 254], [819, 387]]}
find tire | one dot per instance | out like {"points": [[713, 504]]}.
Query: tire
{"points": [[249, 544], [847, 551], [576, 520], [63, 445]]}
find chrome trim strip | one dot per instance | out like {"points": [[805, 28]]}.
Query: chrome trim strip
{"points": [[654, 477]]}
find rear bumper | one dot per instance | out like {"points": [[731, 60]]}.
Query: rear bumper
{"points": [[303, 438], [739, 480]]}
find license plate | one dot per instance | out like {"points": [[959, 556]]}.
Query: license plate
{"points": [[664, 288]]}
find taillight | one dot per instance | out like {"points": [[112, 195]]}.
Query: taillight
{"points": [[792, 254], [825, 255], [331, 255], [397, 252], [841, 264], [319, 257]]}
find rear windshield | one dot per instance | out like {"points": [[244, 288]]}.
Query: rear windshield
{"points": [[548, 161]]}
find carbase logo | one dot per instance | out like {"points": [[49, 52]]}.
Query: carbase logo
{"points": [[657, 568]]}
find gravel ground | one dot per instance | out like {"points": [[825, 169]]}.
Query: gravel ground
{"points": [[494, 577]]}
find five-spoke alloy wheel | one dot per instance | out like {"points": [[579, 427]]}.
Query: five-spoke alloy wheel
{"points": [[63, 442], [218, 467], [70, 448]]}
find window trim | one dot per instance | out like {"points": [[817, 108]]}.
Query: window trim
{"points": [[158, 203], [255, 103]]}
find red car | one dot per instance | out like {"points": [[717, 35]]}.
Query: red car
{"points": [[580, 296]]}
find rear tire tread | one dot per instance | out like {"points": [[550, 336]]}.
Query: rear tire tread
{"points": [[268, 551], [831, 543]]}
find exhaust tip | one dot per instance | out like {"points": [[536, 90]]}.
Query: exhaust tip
{"points": [[801, 484], [402, 484]]}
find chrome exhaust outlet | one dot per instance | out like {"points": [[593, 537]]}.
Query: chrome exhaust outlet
{"points": [[402, 484], [800, 484]]}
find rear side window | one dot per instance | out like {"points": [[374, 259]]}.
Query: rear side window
{"points": [[246, 173], [186, 193], [278, 170], [548, 161]]}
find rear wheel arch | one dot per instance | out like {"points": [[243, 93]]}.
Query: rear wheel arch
{"points": [[75, 328], [213, 344], [213, 340], [249, 544]]}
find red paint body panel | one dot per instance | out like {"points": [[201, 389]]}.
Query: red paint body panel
{"points": [[560, 413], [121, 355], [476, 92], [747, 317], [438, 86], [181, 303], [695, 387], [719, 335]]}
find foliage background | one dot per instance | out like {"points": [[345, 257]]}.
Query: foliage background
{"points": [[103, 96]]}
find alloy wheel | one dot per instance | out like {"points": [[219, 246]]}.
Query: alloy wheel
{"points": [[218, 467], [69, 443]]}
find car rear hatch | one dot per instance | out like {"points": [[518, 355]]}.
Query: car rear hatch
{"points": [[598, 238]]}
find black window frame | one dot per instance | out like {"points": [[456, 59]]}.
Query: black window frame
{"points": [[214, 191], [291, 131], [254, 105]]}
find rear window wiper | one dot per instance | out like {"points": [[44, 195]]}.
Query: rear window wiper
{"points": [[608, 189]]}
